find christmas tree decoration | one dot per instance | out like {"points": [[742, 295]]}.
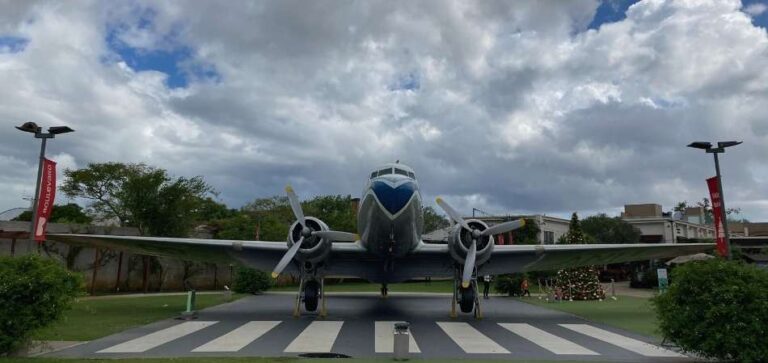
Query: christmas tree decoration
{"points": [[579, 283]]}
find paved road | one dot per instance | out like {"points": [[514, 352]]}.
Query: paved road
{"points": [[361, 326]]}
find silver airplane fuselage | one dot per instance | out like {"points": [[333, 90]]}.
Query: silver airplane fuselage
{"points": [[390, 220]]}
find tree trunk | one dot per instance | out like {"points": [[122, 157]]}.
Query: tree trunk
{"points": [[119, 270], [95, 270], [145, 281]]}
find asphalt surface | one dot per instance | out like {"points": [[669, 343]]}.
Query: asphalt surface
{"points": [[361, 326]]}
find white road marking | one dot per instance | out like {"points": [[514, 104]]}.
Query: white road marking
{"points": [[550, 342], [385, 341], [160, 337], [639, 347], [470, 339], [318, 337], [237, 339]]}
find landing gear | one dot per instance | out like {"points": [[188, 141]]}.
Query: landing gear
{"points": [[312, 292], [466, 297], [384, 290], [311, 295]]}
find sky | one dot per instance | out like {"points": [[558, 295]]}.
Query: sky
{"points": [[508, 107]]}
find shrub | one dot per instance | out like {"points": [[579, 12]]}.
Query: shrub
{"points": [[33, 293], [718, 309], [508, 284], [250, 281]]}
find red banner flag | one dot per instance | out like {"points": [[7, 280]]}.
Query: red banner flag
{"points": [[45, 200], [717, 214]]}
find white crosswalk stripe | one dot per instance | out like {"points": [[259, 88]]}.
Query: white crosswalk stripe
{"points": [[470, 339], [158, 338], [634, 345], [384, 340], [237, 339], [548, 341], [318, 337]]}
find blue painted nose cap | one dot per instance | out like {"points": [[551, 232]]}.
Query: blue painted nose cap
{"points": [[393, 199]]}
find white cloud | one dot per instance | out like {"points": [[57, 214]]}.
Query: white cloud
{"points": [[518, 106], [755, 9]]}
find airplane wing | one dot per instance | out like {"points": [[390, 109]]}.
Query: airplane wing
{"points": [[261, 255], [435, 260]]}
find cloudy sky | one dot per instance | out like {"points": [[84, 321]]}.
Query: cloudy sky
{"points": [[510, 107]]}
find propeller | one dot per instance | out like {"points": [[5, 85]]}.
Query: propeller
{"points": [[469, 262], [306, 232]]}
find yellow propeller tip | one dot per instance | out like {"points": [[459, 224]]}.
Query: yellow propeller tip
{"points": [[288, 189], [275, 275], [439, 200], [465, 284], [522, 222]]}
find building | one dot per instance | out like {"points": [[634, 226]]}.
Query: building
{"points": [[658, 227], [655, 226]]}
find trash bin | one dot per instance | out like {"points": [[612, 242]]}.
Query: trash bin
{"points": [[401, 341]]}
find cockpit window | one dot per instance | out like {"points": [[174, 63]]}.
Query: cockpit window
{"points": [[410, 174], [401, 172], [373, 175], [385, 171]]}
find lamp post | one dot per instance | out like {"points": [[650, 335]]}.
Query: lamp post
{"points": [[32, 127], [721, 145]]}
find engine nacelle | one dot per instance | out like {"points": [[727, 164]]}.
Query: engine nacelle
{"points": [[314, 249], [461, 239]]}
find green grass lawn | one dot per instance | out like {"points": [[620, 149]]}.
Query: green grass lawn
{"points": [[630, 313], [94, 318]]}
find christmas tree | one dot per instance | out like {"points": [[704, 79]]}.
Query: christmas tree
{"points": [[579, 283]]}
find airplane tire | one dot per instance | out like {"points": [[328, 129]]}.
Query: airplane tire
{"points": [[311, 295], [466, 299]]}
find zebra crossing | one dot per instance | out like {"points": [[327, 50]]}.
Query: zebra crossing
{"points": [[325, 336]]}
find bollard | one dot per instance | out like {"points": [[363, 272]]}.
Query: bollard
{"points": [[401, 341], [190, 313]]}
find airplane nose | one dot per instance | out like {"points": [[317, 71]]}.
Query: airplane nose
{"points": [[393, 198]]}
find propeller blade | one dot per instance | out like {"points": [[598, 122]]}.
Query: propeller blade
{"points": [[287, 258], [452, 213], [337, 236], [295, 205], [504, 227], [469, 264]]}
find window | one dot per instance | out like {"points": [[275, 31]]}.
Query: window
{"points": [[411, 175], [373, 175], [549, 237], [401, 172], [385, 171]]}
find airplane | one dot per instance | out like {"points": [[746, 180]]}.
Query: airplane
{"points": [[388, 247]]}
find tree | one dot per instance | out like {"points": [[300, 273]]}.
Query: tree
{"points": [[139, 196], [706, 205], [69, 213], [432, 220], [579, 283], [528, 234], [603, 229]]}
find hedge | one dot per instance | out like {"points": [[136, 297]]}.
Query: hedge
{"points": [[34, 292], [251, 281], [717, 309]]}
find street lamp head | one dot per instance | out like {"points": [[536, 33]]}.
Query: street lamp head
{"points": [[60, 130], [29, 127], [724, 144], [701, 145]]}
